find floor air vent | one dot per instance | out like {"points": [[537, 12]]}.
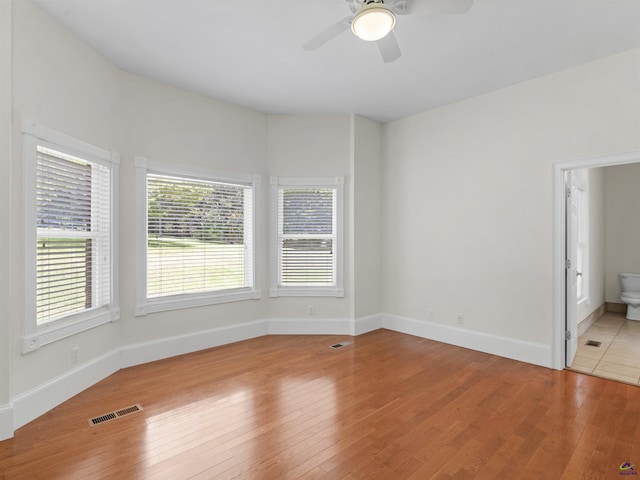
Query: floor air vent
{"points": [[593, 343], [123, 412], [340, 345]]}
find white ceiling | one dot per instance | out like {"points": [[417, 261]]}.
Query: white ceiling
{"points": [[249, 52]]}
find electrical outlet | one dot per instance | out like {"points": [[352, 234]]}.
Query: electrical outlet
{"points": [[431, 315], [312, 310], [74, 354], [460, 319]]}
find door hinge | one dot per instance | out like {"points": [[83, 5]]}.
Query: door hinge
{"points": [[568, 192], [567, 335], [567, 263]]}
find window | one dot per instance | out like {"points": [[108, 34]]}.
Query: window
{"points": [[308, 237], [197, 241], [69, 230]]}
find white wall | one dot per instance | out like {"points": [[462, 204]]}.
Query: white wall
{"points": [[468, 195], [622, 232], [6, 94], [63, 84], [168, 125], [314, 146], [367, 217]]}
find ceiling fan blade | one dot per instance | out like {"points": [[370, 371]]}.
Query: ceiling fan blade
{"points": [[327, 34], [438, 7], [389, 48]]}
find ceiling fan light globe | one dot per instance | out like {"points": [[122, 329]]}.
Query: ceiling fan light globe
{"points": [[373, 22]]}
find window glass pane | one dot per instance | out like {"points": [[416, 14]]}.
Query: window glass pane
{"points": [[307, 262], [64, 193], [306, 226], [308, 211], [64, 277], [196, 236], [73, 235]]}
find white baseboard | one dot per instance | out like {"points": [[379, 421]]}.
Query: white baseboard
{"points": [[145, 352], [530, 352], [33, 403], [6, 422], [590, 319], [310, 326], [367, 324], [325, 326]]}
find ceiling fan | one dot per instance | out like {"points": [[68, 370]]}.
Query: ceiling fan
{"points": [[374, 20]]}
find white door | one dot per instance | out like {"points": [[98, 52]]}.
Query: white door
{"points": [[571, 267]]}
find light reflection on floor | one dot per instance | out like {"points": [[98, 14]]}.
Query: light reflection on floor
{"points": [[196, 422]]}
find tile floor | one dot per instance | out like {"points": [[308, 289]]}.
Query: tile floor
{"points": [[618, 356]]}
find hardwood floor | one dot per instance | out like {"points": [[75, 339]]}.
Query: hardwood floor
{"points": [[390, 406]]}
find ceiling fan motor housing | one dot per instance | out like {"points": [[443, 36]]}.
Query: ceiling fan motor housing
{"points": [[399, 7]]}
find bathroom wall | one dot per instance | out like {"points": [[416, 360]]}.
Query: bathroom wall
{"points": [[596, 194], [622, 230]]}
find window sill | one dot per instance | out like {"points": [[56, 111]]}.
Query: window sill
{"points": [[178, 302], [306, 292], [58, 330]]}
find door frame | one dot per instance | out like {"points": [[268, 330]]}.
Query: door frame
{"points": [[559, 238], [571, 273]]}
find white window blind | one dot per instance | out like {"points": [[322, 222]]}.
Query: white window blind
{"points": [[199, 236], [307, 236], [73, 216]]}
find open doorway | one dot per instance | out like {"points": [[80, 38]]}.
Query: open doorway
{"points": [[571, 266]]}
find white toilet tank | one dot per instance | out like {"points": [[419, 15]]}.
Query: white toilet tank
{"points": [[629, 282]]}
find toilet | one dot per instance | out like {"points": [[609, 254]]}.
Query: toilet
{"points": [[630, 288]]}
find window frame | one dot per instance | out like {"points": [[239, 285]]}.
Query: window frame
{"points": [[146, 305], [34, 335], [336, 290]]}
